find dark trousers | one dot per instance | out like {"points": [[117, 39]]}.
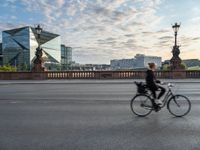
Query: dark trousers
{"points": [[162, 92]]}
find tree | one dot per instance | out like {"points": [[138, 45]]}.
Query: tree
{"points": [[165, 67], [8, 68], [183, 65], [23, 67], [194, 68]]}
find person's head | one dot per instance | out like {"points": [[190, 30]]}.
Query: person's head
{"points": [[152, 66]]}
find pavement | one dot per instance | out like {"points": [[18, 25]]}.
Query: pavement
{"points": [[71, 90], [91, 116]]}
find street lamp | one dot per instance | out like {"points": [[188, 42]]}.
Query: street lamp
{"points": [[176, 60], [38, 67], [176, 27], [38, 30]]}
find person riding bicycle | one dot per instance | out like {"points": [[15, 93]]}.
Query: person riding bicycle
{"points": [[151, 83]]}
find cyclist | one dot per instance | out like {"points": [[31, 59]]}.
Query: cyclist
{"points": [[151, 82]]}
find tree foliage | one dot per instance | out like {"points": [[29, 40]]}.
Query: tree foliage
{"points": [[194, 68], [165, 67], [7, 68]]}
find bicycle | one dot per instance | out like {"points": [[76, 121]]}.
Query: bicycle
{"points": [[143, 104]]}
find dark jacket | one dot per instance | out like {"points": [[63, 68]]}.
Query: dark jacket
{"points": [[151, 80]]}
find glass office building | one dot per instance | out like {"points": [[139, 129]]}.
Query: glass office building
{"points": [[19, 47], [66, 55], [1, 56]]}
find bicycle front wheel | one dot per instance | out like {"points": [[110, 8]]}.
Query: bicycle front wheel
{"points": [[141, 105], [179, 105]]}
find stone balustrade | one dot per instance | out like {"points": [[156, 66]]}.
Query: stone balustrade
{"points": [[95, 75]]}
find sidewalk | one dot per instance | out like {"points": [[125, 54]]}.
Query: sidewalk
{"points": [[74, 81]]}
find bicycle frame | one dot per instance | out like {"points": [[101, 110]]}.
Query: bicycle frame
{"points": [[166, 98]]}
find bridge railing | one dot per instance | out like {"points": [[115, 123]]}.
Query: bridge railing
{"points": [[95, 75], [193, 74]]}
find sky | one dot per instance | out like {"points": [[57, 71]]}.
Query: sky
{"points": [[101, 30]]}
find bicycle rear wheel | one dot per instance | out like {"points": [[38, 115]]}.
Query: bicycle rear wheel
{"points": [[141, 105], [179, 105]]}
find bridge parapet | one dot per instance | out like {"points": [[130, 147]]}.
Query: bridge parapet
{"points": [[95, 75]]}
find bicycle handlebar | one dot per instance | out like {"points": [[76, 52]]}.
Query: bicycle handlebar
{"points": [[168, 84]]}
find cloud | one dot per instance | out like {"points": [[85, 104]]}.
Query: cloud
{"points": [[195, 19], [106, 29], [166, 37], [7, 26], [129, 35], [60, 3], [196, 38], [102, 20]]}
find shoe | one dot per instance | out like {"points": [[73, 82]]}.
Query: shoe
{"points": [[157, 109], [158, 102]]}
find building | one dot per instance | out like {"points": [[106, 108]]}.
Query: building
{"points": [[1, 56], [122, 64], [90, 67], [187, 62], [100, 67], [19, 47], [191, 62], [95, 67], [66, 56], [140, 61], [166, 62]]}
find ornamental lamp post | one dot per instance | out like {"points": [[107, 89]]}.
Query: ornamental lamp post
{"points": [[176, 27], [38, 62], [176, 60], [38, 30]]}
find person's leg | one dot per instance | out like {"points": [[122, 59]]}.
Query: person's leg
{"points": [[162, 92], [156, 107], [153, 93]]}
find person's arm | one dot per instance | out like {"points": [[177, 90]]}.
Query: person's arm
{"points": [[158, 81]]}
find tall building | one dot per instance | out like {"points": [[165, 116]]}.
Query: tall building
{"points": [[19, 47], [1, 56], [140, 61], [66, 56]]}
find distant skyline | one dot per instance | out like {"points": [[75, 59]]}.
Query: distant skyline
{"points": [[101, 30]]}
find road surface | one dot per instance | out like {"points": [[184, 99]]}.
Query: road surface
{"points": [[94, 115]]}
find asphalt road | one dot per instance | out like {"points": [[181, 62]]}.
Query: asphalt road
{"points": [[90, 116], [121, 90]]}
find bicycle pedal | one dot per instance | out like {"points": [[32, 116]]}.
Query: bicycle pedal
{"points": [[157, 109]]}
